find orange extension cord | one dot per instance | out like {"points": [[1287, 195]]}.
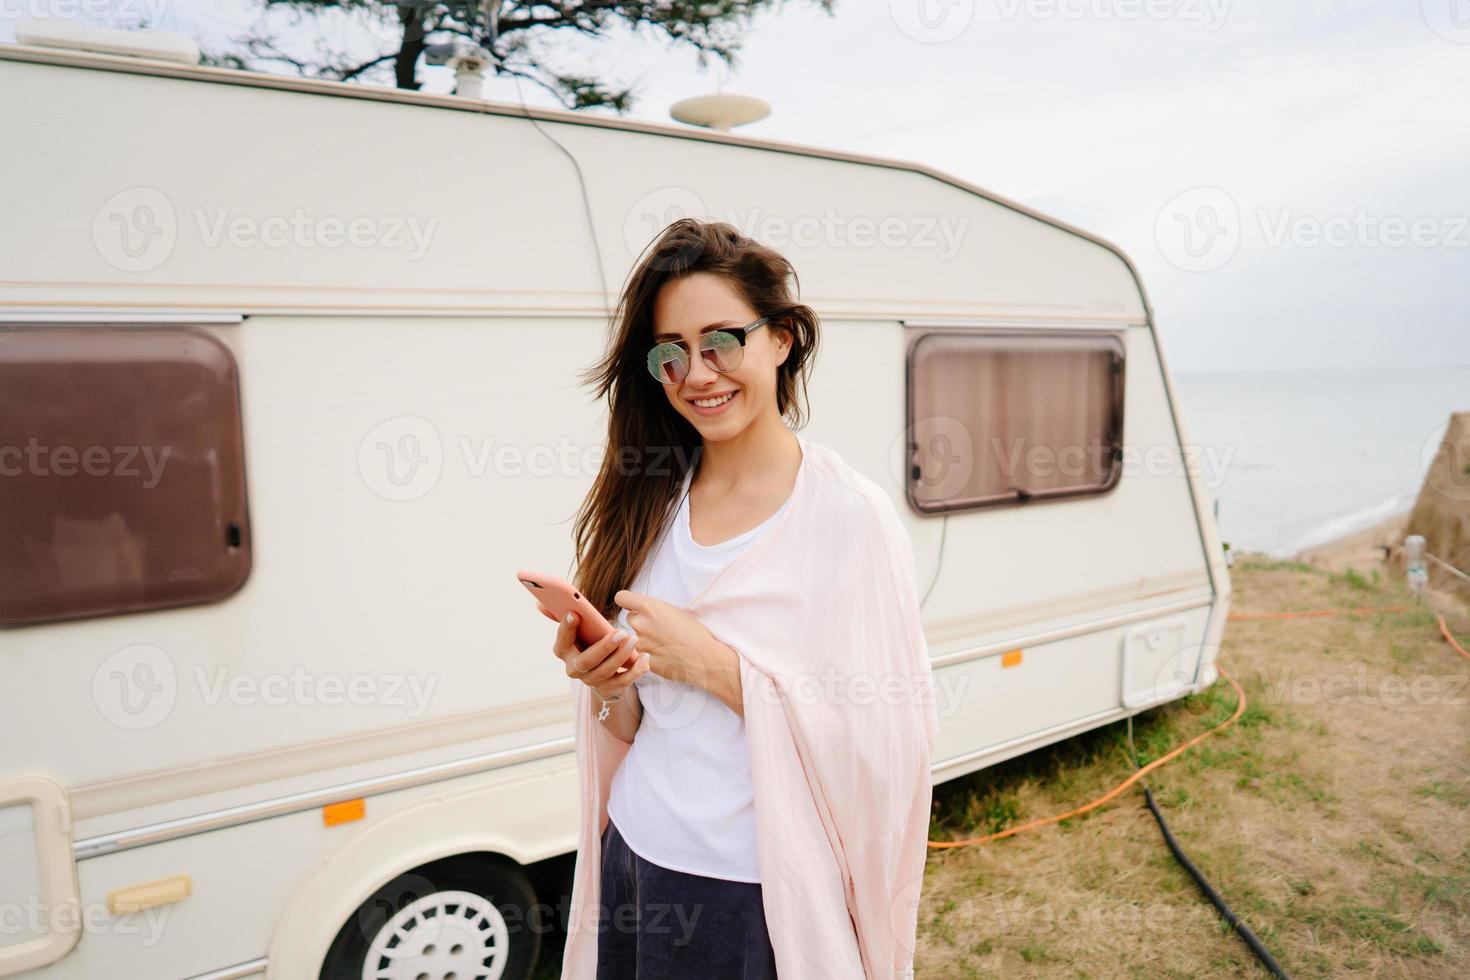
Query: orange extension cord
{"points": [[1450, 636], [1110, 794], [1239, 710]]}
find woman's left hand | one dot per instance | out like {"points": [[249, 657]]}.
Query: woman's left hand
{"points": [[680, 648]]}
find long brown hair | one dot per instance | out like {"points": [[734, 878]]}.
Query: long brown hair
{"points": [[650, 446]]}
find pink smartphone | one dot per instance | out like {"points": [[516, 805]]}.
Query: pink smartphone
{"points": [[561, 598]]}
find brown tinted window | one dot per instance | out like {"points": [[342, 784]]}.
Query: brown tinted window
{"points": [[1005, 418], [122, 481]]}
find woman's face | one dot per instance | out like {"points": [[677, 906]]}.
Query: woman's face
{"points": [[718, 405]]}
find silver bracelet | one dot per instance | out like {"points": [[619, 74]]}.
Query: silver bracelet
{"points": [[602, 714]]}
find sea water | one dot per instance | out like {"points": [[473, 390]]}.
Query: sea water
{"points": [[1299, 457]]}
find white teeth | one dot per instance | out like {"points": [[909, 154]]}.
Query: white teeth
{"points": [[713, 402]]}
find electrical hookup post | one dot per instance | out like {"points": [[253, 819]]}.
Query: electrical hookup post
{"points": [[1417, 571]]}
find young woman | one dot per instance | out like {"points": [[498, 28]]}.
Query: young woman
{"points": [[717, 802]]}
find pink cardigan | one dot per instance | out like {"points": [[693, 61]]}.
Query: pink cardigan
{"points": [[840, 720]]}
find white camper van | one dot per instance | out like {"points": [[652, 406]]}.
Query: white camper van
{"points": [[288, 390]]}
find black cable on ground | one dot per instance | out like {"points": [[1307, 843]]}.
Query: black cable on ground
{"points": [[1241, 929]]}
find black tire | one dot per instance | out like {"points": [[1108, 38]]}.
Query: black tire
{"points": [[499, 884]]}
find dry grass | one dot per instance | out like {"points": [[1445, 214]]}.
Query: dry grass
{"points": [[1334, 817]]}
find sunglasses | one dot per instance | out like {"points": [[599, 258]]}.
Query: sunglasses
{"points": [[722, 350]]}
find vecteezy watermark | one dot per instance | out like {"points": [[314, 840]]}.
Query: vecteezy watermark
{"points": [[137, 230], [654, 918], [1358, 687], [1362, 229], [138, 687], [675, 919], [1025, 458], [1210, 14], [655, 211], [677, 705], [1180, 670], [942, 234], [142, 13], [403, 458], [566, 458], [1201, 229], [1444, 463], [145, 463], [305, 688], [943, 689], [1010, 915], [303, 230], [932, 21], [940, 456], [1450, 19], [33, 917]]}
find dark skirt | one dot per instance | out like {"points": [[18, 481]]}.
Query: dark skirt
{"points": [[659, 924]]}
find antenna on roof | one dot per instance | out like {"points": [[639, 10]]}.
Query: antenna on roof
{"points": [[720, 112]]}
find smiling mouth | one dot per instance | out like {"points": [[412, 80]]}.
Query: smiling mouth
{"points": [[713, 402]]}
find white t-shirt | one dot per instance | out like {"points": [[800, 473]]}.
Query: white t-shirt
{"points": [[682, 797]]}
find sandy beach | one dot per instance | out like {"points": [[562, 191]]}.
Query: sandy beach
{"points": [[1365, 549]]}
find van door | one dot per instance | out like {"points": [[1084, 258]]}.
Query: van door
{"points": [[40, 905]]}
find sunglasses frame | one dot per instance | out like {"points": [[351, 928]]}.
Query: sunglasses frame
{"points": [[739, 333]]}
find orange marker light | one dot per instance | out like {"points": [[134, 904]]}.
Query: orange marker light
{"points": [[344, 812], [1011, 658]]}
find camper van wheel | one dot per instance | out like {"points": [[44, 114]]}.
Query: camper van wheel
{"points": [[467, 917]]}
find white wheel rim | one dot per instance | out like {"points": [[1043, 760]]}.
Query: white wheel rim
{"points": [[448, 935]]}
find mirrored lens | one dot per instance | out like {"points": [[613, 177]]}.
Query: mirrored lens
{"points": [[668, 363], [721, 350]]}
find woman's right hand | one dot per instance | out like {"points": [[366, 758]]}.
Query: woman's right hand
{"points": [[597, 666]]}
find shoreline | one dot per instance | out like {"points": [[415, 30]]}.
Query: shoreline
{"points": [[1379, 550], [1365, 548], [1330, 533]]}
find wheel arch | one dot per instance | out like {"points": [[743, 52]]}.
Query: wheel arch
{"points": [[415, 834]]}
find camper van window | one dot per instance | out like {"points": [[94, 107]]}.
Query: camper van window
{"points": [[1007, 418], [122, 476]]}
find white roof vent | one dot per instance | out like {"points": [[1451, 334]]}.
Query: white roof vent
{"points": [[156, 45]]}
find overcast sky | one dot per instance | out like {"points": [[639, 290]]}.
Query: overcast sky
{"points": [[1292, 177]]}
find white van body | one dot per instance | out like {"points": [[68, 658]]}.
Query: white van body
{"points": [[476, 289]]}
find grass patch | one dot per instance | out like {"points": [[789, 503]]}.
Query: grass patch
{"points": [[1320, 816]]}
